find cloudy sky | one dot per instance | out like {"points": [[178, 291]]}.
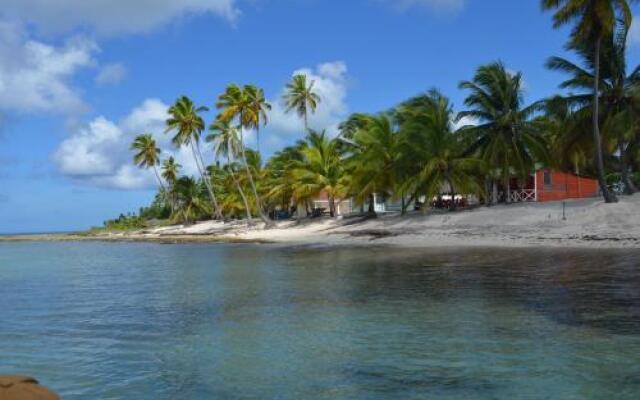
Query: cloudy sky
{"points": [[79, 79]]}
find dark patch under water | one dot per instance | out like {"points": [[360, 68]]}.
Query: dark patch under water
{"points": [[149, 321]]}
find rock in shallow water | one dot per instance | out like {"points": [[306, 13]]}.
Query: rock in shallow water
{"points": [[24, 388]]}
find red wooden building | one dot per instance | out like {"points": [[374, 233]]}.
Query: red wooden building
{"points": [[550, 185]]}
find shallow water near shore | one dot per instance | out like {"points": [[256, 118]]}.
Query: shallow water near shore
{"points": [[200, 321]]}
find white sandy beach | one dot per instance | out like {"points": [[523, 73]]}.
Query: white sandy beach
{"points": [[588, 223]]}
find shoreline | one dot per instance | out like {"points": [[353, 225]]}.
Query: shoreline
{"points": [[588, 224]]}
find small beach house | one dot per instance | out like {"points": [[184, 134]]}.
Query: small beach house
{"points": [[550, 185]]}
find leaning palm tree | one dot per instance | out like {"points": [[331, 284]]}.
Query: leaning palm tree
{"points": [[506, 137], [185, 120], [260, 108], [237, 103], [226, 144], [147, 154], [595, 20], [301, 97]]}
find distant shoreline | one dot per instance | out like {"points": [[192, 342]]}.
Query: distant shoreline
{"points": [[588, 224], [122, 237]]}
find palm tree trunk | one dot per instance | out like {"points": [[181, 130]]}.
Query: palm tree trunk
{"points": [[452, 206], [629, 187], [408, 202], [486, 194], [332, 206], [507, 189], [494, 191], [258, 137], [244, 198], [174, 200], [372, 206], [207, 184], [164, 189], [306, 123], [609, 197], [264, 218]]}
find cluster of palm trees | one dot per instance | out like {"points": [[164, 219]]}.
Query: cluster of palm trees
{"points": [[421, 147], [234, 187]]}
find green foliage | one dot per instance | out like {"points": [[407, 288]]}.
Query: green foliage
{"points": [[320, 169], [505, 137], [124, 223], [301, 97], [437, 152]]}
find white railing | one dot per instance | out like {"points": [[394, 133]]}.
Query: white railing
{"points": [[523, 195]]}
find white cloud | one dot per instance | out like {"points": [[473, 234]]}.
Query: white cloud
{"points": [[150, 116], [111, 74], [464, 121], [330, 84], [99, 154], [109, 17], [88, 153], [36, 77], [126, 177], [438, 6]]}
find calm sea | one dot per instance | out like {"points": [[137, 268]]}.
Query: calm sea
{"points": [[150, 321]]}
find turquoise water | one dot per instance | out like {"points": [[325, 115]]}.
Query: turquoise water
{"points": [[151, 321]]}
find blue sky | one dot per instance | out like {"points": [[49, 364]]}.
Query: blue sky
{"points": [[79, 79]]}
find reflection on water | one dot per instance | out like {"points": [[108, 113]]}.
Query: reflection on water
{"points": [[148, 321]]}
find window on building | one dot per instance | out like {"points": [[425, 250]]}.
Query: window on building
{"points": [[547, 177]]}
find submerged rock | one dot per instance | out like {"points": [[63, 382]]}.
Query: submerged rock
{"points": [[24, 388]]}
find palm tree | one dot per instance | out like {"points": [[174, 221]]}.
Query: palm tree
{"points": [[170, 173], [505, 138], [147, 154], [563, 125], [301, 97], [237, 103], [595, 20], [185, 120], [374, 156], [226, 144], [279, 179], [260, 108], [171, 170], [190, 204], [616, 94], [320, 170], [437, 152]]}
